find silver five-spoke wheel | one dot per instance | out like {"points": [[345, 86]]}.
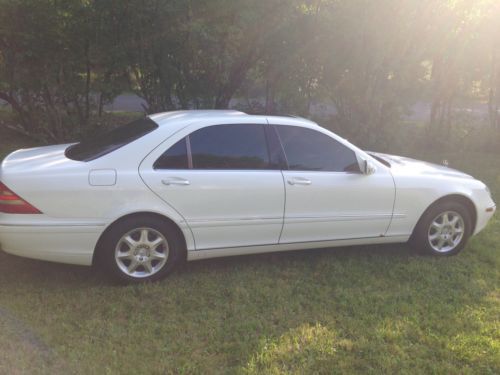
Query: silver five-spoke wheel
{"points": [[141, 252], [446, 231]]}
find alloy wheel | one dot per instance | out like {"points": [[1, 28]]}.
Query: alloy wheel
{"points": [[141, 252], [446, 231]]}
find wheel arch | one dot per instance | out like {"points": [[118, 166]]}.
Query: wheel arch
{"points": [[160, 217], [459, 198]]}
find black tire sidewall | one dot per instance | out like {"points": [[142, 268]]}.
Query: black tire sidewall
{"points": [[108, 245], [420, 238]]}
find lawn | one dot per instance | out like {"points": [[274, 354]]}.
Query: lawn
{"points": [[372, 309]]}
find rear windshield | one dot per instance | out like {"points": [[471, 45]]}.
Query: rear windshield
{"points": [[104, 143]]}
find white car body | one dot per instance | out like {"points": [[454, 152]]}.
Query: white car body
{"points": [[221, 212]]}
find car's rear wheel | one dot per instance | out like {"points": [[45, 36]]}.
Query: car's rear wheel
{"points": [[443, 230], [140, 249]]}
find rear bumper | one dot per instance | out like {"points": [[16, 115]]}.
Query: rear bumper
{"points": [[56, 243]]}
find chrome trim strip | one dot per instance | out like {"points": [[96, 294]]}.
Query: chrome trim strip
{"points": [[303, 242], [320, 218], [235, 219], [207, 223], [215, 222]]}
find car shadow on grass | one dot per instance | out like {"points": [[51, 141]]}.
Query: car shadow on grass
{"points": [[18, 270], [14, 269]]}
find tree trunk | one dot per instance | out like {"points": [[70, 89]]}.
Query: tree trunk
{"points": [[222, 100], [12, 102], [101, 104], [493, 93], [16, 107], [87, 81], [236, 77], [435, 111], [270, 93]]}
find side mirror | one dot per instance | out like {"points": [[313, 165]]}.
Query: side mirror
{"points": [[368, 167]]}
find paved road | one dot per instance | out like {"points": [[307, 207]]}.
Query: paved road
{"points": [[419, 112], [126, 102]]}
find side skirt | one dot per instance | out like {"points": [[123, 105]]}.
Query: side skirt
{"points": [[245, 250]]}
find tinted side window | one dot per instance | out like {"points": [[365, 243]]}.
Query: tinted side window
{"points": [[310, 150], [176, 157], [239, 146]]}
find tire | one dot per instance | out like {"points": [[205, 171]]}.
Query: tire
{"points": [[140, 249], [443, 230]]}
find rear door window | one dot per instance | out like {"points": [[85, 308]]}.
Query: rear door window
{"points": [[235, 146]]}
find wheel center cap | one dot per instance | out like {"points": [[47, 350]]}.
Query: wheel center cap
{"points": [[142, 253], [447, 231]]}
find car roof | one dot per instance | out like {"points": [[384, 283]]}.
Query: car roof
{"points": [[162, 118], [225, 115]]}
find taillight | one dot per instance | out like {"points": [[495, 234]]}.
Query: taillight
{"points": [[11, 203]]}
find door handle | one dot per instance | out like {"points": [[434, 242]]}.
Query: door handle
{"points": [[175, 181], [299, 181]]}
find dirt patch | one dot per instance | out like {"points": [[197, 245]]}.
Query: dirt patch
{"points": [[22, 351]]}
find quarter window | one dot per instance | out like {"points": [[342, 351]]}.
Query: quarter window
{"points": [[309, 150], [176, 157], [238, 146]]}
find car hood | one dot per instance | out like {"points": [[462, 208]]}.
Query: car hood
{"points": [[404, 165], [36, 159]]}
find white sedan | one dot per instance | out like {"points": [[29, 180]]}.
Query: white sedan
{"points": [[202, 184]]}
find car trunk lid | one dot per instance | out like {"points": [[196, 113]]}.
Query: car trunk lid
{"points": [[36, 159]]}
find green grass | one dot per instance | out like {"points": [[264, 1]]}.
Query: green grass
{"points": [[373, 309]]}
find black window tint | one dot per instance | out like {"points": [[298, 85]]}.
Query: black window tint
{"points": [[104, 143], [239, 146], [175, 157], [310, 150]]}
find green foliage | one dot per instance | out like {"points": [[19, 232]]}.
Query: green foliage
{"points": [[198, 53], [55, 66], [61, 61]]}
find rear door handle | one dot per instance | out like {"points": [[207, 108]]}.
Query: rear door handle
{"points": [[175, 181], [299, 181]]}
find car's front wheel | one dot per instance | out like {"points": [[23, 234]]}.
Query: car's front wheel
{"points": [[443, 230], [140, 249]]}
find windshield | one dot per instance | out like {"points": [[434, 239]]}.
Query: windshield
{"points": [[104, 143]]}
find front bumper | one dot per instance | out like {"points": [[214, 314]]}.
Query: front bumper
{"points": [[484, 217], [56, 243]]}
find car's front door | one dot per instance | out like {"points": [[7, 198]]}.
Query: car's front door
{"points": [[327, 197], [221, 180]]}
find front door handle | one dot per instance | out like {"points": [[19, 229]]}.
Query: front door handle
{"points": [[175, 181], [299, 181]]}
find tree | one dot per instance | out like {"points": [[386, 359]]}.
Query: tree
{"points": [[61, 61], [199, 53], [56, 69]]}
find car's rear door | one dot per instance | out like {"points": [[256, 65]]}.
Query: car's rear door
{"points": [[327, 197], [222, 180]]}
